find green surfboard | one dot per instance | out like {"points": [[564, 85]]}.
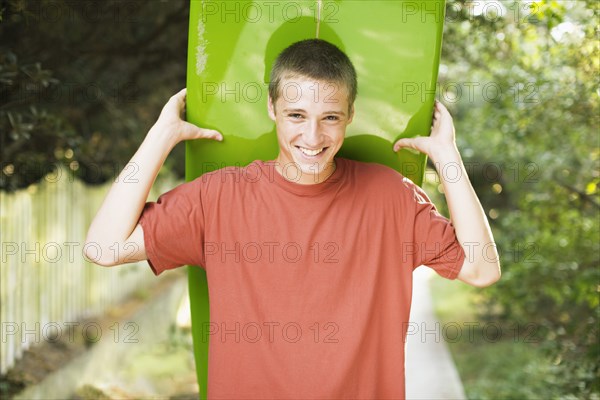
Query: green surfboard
{"points": [[394, 46]]}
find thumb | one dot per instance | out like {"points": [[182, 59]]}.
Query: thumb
{"points": [[411, 143], [191, 131]]}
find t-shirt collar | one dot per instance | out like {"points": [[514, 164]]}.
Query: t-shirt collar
{"points": [[332, 181]]}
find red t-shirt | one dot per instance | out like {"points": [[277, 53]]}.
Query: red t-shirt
{"points": [[310, 285]]}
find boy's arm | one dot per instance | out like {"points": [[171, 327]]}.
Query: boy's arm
{"points": [[114, 236], [482, 265]]}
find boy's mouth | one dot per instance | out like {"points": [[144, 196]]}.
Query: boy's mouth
{"points": [[311, 152]]}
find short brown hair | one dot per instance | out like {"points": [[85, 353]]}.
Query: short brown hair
{"points": [[316, 59]]}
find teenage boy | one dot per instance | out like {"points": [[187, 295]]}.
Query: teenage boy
{"points": [[309, 257]]}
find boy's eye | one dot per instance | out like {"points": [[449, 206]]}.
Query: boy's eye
{"points": [[332, 117], [295, 115]]}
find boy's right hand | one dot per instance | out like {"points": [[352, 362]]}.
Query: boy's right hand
{"points": [[116, 225], [170, 122]]}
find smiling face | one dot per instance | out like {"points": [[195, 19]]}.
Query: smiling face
{"points": [[311, 118]]}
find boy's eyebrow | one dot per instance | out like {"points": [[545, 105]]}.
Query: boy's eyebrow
{"points": [[286, 110]]}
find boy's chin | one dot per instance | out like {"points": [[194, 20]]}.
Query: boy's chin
{"points": [[315, 167]]}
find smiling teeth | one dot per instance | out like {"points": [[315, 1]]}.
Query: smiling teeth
{"points": [[311, 152]]}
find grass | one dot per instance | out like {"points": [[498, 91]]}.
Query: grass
{"points": [[494, 361]]}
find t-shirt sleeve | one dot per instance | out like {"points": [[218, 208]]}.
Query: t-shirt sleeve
{"points": [[174, 228], [436, 244]]}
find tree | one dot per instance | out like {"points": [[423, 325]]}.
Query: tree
{"points": [[528, 116], [82, 82]]}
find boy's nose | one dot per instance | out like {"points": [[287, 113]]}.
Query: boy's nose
{"points": [[312, 135]]}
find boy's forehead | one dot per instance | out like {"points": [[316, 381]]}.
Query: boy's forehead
{"points": [[296, 87]]}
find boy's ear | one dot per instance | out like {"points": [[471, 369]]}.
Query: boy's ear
{"points": [[351, 114], [271, 109]]}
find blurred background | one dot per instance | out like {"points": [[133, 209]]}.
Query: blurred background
{"points": [[81, 82]]}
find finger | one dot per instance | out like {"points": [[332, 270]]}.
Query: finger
{"points": [[176, 103], [179, 98], [442, 109], [181, 94]]}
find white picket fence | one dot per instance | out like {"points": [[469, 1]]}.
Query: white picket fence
{"points": [[45, 282]]}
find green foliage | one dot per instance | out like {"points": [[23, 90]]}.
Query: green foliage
{"points": [[81, 82], [507, 360], [531, 146]]}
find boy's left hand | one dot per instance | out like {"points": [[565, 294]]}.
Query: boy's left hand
{"points": [[441, 139]]}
